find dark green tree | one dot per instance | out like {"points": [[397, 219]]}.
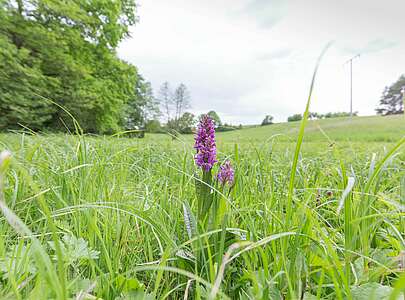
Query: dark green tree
{"points": [[57, 55], [184, 124], [293, 118], [153, 126], [338, 115], [392, 99], [267, 120], [150, 107], [214, 116], [314, 116], [143, 107], [23, 88]]}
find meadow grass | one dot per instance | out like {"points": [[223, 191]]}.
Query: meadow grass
{"points": [[105, 216]]}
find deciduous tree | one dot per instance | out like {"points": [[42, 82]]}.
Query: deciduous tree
{"points": [[57, 55], [166, 100], [392, 99], [267, 120], [181, 100], [293, 118]]}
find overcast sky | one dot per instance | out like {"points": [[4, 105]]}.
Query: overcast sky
{"points": [[248, 58]]}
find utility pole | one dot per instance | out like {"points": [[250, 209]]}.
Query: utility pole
{"points": [[351, 82]]}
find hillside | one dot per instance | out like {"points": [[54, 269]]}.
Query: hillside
{"points": [[370, 129], [357, 129]]}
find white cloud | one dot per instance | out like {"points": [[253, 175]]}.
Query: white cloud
{"points": [[249, 58]]}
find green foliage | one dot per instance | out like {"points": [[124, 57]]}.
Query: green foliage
{"points": [[393, 98], [184, 124], [293, 118], [143, 107], [268, 120], [371, 291], [315, 115], [214, 116], [21, 80], [75, 250], [153, 126], [9, 266], [78, 69], [318, 116], [336, 115], [173, 105]]}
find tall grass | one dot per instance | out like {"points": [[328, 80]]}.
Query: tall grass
{"points": [[125, 199]]}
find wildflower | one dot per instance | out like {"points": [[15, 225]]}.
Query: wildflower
{"points": [[226, 173], [205, 144]]}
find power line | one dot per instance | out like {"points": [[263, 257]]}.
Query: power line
{"points": [[351, 81]]}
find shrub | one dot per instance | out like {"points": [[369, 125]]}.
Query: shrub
{"points": [[293, 118]]}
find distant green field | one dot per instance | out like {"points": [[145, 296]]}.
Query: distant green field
{"points": [[115, 217], [371, 129], [358, 134], [357, 129]]}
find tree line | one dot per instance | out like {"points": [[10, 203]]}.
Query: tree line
{"points": [[171, 107], [318, 116], [268, 120]]}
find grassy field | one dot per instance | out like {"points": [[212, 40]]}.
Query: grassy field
{"points": [[358, 129], [113, 218]]}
